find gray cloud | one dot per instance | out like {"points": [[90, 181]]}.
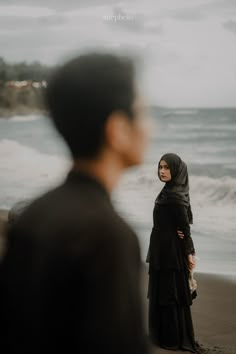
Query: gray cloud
{"points": [[21, 23], [172, 55], [189, 14], [203, 10], [134, 22], [230, 26], [220, 7], [59, 5]]}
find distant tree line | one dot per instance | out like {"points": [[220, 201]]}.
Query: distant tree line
{"points": [[22, 87], [34, 71]]}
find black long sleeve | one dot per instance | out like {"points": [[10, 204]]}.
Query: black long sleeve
{"points": [[182, 223]]}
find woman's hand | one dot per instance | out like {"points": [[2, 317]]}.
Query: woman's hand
{"points": [[180, 234], [191, 262]]}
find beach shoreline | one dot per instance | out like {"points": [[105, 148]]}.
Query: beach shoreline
{"points": [[213, 311], [23, 111]]}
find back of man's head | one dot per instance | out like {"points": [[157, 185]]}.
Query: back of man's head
{"points": [[83, 93]]}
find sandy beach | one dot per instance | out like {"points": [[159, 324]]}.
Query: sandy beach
{"points": [[214, 310], [214, 313]]}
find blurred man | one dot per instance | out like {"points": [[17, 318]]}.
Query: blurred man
{"points": [[71, 274]]}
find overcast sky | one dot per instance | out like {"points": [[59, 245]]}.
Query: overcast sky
{"points": [[187, 47]]}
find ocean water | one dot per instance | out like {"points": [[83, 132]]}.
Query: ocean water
{"points": [[33, 159]]}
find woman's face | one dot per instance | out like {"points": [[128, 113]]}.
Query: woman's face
{"points": [[164, 171]]}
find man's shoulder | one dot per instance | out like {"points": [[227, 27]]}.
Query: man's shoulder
{"points": [[61, 200], [82, 228], [76, 209]]}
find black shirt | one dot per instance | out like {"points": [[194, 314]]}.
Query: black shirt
{"points": [[70, 280]]}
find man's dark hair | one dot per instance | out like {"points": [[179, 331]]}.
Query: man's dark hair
{"points": [[83, 93]]}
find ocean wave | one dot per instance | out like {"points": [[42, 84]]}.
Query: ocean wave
{"points": [[203, 189], [28, 118], [25, 172], [180, 112], [221, 190]]}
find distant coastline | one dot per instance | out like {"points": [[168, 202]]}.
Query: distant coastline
{"points": [[21, 98], [22, 86], [20, 110]]}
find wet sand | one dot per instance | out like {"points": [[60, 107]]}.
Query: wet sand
{"points": [[214, 314], [214, 310]]}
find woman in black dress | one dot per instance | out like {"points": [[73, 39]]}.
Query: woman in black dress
{"points": [[170, 258]]}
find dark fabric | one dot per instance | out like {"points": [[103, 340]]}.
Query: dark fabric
{"points": [[70, 280], [169, 287], [170, 322], [166, 249], [177, 190]]}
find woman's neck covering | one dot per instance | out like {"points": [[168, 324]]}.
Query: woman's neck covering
{"points": [[177, 190]]}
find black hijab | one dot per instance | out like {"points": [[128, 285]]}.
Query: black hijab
{"points": [[176, 191]]}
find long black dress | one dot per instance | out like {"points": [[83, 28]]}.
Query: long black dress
{"points": [[170, 322]]}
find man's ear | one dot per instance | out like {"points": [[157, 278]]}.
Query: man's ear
{"points": [[117, 130]]}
